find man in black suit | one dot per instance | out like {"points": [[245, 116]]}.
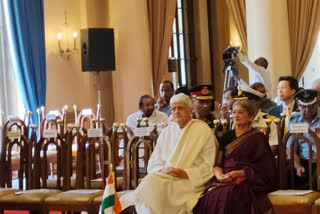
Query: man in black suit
{"points": [[287, 87]]}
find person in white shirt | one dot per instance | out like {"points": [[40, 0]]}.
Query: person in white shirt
{"points": [[179, 167], [146, 109], [259, 69]]}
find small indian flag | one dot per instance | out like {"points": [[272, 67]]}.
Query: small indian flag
{"points": [[110, 203]]}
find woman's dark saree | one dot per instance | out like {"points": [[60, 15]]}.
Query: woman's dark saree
{"points": [[251, 153]]}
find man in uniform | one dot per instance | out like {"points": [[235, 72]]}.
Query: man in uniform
{"points": [[307, 100], [203, 104]]}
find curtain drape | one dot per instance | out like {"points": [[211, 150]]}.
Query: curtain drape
{"points": [[10, 103], [304, 26], [26, 32], [237, 9], [161, 16]]}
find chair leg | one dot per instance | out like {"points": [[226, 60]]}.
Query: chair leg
{"points": [[36, 212]]}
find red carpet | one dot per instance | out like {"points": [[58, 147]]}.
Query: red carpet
{"points": [[24, 212]]}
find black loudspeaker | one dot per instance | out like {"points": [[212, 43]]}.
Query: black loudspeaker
{"points": [[97, 49]]}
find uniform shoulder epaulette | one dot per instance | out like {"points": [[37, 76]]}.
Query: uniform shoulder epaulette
{"points": [[270, 117]]}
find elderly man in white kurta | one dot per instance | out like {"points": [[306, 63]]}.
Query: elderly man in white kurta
{"points": [[180, 165]]}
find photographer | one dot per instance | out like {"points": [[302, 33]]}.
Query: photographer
{"points": [[259, 69]]}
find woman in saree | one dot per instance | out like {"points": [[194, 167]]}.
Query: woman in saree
{"points": [[244, 171]]}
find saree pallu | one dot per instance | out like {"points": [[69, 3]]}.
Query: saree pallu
{"points": [[251, 153]]}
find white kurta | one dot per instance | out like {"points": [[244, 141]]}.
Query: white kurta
{"points": [[157, 118], [192, 149]]}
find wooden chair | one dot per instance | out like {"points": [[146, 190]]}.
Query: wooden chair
{"points": [[15, 135], [52, 122], [86, 118], [295, 203], [31, 199], [81, 199], [119, 141], [134, 170]]}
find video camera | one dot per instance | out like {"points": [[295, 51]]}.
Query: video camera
{"points": [[229, 55], [230, 68]]}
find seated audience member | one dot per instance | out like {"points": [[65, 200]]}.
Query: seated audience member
{"points": [[166, 92], [260, 118], [287, 87], [146, 109], [179, 166], [259, 70], [228, 95], [245, 169], [265, 103], [307, 100], [203, 104]]}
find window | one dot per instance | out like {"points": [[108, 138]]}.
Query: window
{"points": [[182, 47], [312, 71]]}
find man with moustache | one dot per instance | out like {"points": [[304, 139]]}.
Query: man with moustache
{"points": [[146, 109]]}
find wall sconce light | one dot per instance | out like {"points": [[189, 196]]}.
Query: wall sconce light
{"points": [[68, 51]]}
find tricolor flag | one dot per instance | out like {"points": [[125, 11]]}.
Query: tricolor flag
{"points": [[110, 202]]}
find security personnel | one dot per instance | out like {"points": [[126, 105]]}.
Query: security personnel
{"points": [[307, 100], [203, 104]]}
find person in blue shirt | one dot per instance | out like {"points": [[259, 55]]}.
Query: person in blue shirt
{"points": [[308, 101]]}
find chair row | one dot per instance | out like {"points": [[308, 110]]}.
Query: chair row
{"points": [[34, 155]]}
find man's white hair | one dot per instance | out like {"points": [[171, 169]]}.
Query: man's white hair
{"points": [[181, 98]]}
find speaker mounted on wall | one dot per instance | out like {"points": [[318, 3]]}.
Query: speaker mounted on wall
{"points": [[97, 49]]}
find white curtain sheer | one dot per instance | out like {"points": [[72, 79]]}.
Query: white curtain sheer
{"points": [[10, 101]]}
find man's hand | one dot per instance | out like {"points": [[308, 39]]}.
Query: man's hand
{"points": [[300, 170], [175, 172], [161, 102], [224, 112]]}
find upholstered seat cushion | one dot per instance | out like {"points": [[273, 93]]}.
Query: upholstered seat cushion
{"points": [[74, 196], [286, 197], [28, 196], [6, 191], [317, 202]]}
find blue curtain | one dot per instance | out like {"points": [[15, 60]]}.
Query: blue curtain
{"points": [[26, 31]]}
